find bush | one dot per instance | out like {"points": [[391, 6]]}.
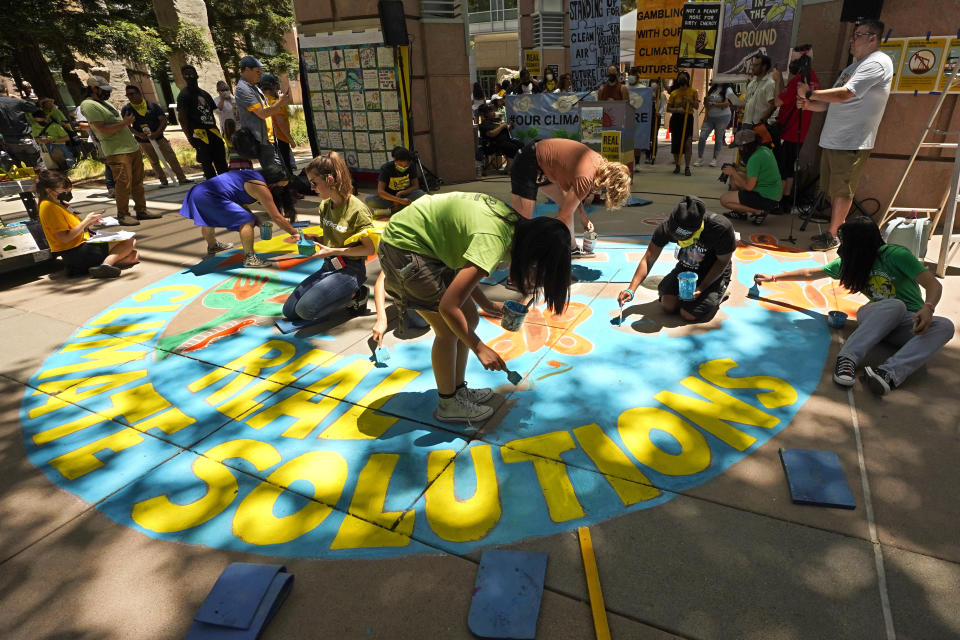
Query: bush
{"points": [[298, 127]]}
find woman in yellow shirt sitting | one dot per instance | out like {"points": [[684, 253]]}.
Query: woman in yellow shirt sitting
{"points": [[67, 234]]}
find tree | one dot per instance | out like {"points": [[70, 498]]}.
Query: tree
{"points": [[626, 6], [252, 27]]}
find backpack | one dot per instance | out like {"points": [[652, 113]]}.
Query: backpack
{"points": [[912, 233], [245, 144]]}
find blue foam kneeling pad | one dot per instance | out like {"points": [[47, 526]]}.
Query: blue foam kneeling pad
{"points": [[241, 603], [507, 594], [815, 477]]}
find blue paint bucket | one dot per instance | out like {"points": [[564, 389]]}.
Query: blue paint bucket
{"points": [[266, 230], [836, 319], [688, 284], [513, 315]]}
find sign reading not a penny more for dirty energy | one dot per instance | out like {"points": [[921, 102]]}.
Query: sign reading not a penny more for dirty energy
{"points": [[594, 41], [698, 38], [657, 47], [751, 28]]}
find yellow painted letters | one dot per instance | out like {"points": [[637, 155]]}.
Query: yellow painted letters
{"points": [[635, 426], [544, 452], [459, 520]]}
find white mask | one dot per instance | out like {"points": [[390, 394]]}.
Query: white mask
{"points": [[632, 79]]}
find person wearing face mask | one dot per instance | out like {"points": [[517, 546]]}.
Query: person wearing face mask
{"points": [[398, 184], [48, 131], [759, 189], [67, 234], [550, 83], [682, 105], [612, 89], [254, 111], [706, 244], [120, 149], [226, 106], [195, 109], [525, 84], [149, 123]]}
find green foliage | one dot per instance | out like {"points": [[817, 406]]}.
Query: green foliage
{"points": [[190, 40], [298, 127], [133, 42], [251, 27]]}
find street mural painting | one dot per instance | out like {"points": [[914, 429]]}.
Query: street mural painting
{"points": [[182, 413]]}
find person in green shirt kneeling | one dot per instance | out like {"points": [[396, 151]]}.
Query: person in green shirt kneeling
{"points": [[434, 253], [891, 277], [758, 190]]}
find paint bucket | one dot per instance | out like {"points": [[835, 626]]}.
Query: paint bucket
{"points": [[589, 241], [513, 315], [836, 319], [688, 284], [306, 247], [266, 230]]}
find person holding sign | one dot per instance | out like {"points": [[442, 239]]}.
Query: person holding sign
{"points": [[682, 105], [854, 109], [891, 277], [568, 172], [67, 234]]}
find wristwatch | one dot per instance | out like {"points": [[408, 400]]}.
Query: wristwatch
{"points": [[809, 93]]}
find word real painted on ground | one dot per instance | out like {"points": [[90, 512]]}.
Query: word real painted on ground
{"points": [[181, 412]]}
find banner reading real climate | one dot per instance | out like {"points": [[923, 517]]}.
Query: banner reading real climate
{"points": [[750, 28], [594, 41]]}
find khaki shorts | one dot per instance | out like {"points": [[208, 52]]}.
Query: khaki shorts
{"points": [[840, 171], [413, 280]]}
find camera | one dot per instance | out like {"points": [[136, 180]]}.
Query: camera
{"points": [[724, 177]]}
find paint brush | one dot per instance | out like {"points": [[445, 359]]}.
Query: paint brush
{"points": [[514, 377], [381, 354]]}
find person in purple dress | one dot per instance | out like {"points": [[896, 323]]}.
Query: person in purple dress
{"points": [[224, 200]]}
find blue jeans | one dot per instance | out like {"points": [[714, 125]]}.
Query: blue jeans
{"points": [[718, 125], [325, 291], [68, 158], [376, 202]]}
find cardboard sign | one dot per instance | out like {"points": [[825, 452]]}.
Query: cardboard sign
{"points": [[894, 47], [531, 61], [750, 28], [921, 64], [594, 41], [951, 62], [610, 146], [698, 38], [657, 47]]}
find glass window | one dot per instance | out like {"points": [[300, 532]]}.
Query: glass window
{"points": [[478, 5]]}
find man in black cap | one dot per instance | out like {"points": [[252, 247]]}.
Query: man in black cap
{"points": [[195, 109], [253, 108], [758, 189], [706, 244]]}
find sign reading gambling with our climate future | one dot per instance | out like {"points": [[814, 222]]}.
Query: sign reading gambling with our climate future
{"points": [[658, 36], [751, 28], [698, 39], [594, 41]]}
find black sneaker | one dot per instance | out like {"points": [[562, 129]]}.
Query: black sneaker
{"points": [[676, 169], [104, 271], [146, 215], [879, 381], [358, 303], [686, 172], [843, 372]]}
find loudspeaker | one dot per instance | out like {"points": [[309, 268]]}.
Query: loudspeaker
{"points": [[392, 23], [854, 10]]}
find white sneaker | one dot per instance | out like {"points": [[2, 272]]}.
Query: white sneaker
{"points": [[253, 261], [475, 395], [698, 163], [713, 163], [459, 409]]}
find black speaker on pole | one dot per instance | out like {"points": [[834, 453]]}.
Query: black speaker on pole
{"points": [[392, 23], [854, 10]]}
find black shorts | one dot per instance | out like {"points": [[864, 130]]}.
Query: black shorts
{"points": [[677, 131], [80, 258], [786, 157], [702, 308], [509, 148], [756, 201], [525, 173]]}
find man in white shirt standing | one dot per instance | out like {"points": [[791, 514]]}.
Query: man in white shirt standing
{"points": [[761, 91], [854, 109]]}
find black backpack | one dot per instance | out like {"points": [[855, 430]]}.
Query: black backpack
{"points": [[245, 143]]}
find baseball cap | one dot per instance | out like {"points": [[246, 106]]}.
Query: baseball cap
{"points": [[744, 136], [100, 82], [686, 218], [249, 61]]}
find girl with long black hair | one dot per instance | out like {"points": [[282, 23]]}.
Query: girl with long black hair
{"points": [[891, 277], [435, 252]]}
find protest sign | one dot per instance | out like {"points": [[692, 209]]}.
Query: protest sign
{"points": [[531, 61], [594, 41], [751, 28], [658, 32], [921, 64], [698, 38]]}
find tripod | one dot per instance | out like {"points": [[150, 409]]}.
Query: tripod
{"points": [[427, 175], [424, 172], [794, 186]]}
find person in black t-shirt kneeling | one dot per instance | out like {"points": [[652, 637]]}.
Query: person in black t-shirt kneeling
{"points": [[706, 244], [496, 134], [398, 184]]}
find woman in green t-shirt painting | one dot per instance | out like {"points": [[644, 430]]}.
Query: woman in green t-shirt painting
{"points": [[340, 281], [891, 277], [434, 253]]}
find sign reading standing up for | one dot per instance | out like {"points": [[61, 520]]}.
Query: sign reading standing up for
{"points": [[594, 41]]}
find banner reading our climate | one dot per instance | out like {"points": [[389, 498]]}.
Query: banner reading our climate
{"points": [[751, 28]]}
